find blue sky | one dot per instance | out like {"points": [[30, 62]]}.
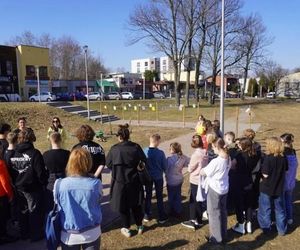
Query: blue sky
{"points": [[101, 24]]}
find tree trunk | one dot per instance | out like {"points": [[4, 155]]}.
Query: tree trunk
{"points": [[245, 81], [197, 75], [187, 88], [177, 84]]}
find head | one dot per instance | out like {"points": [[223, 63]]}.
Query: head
{"points": [[274, 146], [207, 125], [85, 133], [55, 139], [56, 122], [26, 135], [201, 118], [249, 133], [22, 123], [155, 140], [246, 146], [4, 129], [216, 124], [80, 162], [287, 140], [219, 146], [229, 138], [123, 132], [175, 148], [12, 138], [197, 142], [211, 137]]}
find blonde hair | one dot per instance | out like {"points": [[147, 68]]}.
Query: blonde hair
{"points": [[249, 133], [274, 146], [176, 148], [211, 137], [55, 137], [12, 138], [80, 163]]}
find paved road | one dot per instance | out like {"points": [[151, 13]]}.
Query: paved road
{"points": [[185, 140]]}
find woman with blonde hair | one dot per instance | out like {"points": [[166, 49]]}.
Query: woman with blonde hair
{"points": [[273, 173], [78, 198]]}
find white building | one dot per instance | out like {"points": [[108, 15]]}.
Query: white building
{"points": [[125, 81], [289, 86], [141, 65]]}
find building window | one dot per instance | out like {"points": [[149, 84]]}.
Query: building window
{"points": [[30, 70], [146, 64], [164, 62], [152, 62], [138, 70], [138, 64], [164, 68], [43, 71], [9, 68]]}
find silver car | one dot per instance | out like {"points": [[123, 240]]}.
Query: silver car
{"points": [[114, 96]]}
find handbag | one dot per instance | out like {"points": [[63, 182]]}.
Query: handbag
{"points": [[143, 173], [53, 224]]}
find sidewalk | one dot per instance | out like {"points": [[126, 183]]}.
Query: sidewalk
{"points": [[184, 140]]}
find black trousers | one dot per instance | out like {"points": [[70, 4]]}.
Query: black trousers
{"points": [[137, 213], [195, 206], [244, 203], [31, 214], [4, 214]]}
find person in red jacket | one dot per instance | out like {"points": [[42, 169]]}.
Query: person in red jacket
{"points": [[6, 195]]}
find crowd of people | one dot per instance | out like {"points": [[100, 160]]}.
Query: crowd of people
{"points": [[225, 174]]}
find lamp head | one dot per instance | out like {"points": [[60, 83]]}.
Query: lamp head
{"points": [[85, 48]]}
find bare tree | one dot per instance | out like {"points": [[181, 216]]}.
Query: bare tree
{"points": [[159, 24], [233, 26], [26, 38], [251, 44]]}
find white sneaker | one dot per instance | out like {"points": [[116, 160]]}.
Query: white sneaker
{"points": [[239, 228], [249, 227], [205, 215], [126, 232], [290, 222]]}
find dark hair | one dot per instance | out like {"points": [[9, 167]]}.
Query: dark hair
{"points": [[26, 135], [216, 124], [123, 132], [230, 133], [22, 119], [247, 146], [287, 138], [176, 147], [4, 127], [85, 133], [219, 143], [155, 137], [207, 125], [197, 142], [249, 133], [59, 124]]}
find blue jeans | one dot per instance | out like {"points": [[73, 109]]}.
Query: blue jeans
{"points": [[174, 198], [158, 184], [288, 195], [265, 209]]}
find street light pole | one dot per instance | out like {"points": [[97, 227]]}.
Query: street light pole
{"points": [[38, 82], [85, 48], [144, 87], [222, 69]]}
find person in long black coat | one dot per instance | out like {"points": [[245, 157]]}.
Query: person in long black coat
{"points": [[126, 193]]}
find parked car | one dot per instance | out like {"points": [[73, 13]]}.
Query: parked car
{"points": [[114, 96], [45, 97], [63, 97], [93, 96], [10, 98], [78, 96], [271, 95], [127, 95], [159, 95], [138, 95]]}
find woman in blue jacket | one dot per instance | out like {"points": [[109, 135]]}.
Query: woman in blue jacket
{"points": [[78, 198]]}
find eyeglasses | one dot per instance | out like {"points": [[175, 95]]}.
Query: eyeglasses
{"points": [[55, 121]]}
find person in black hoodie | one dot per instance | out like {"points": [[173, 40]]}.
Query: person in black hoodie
{"points": [[30, 177]]}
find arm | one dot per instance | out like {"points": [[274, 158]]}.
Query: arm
{"points": [[49, 133], [164, 162], [39, 168], [193, 164], [99, 171], [109, 161], [5, 181], [265, 168]]}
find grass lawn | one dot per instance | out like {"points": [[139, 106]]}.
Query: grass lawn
{"points": [[39, 117]]}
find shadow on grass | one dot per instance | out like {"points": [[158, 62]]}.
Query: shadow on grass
{"points": [[170, 245]]}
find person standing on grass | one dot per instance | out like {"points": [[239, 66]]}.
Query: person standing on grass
{"points": [[291, 174], [273, 172], [157, 164], [200, 128], [126, 190], [78, 197], [6, 196], [4, 130], [85, 135], [22, 127], [242, 185], [56, 160], [174, 176], [198, 161], [216, 128], [217, 185], [58, 128], [30, 178]]}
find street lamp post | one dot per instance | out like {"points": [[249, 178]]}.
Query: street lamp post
{"points": [[222, 69], [85, 48], [144, 87], [38, 82]]}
